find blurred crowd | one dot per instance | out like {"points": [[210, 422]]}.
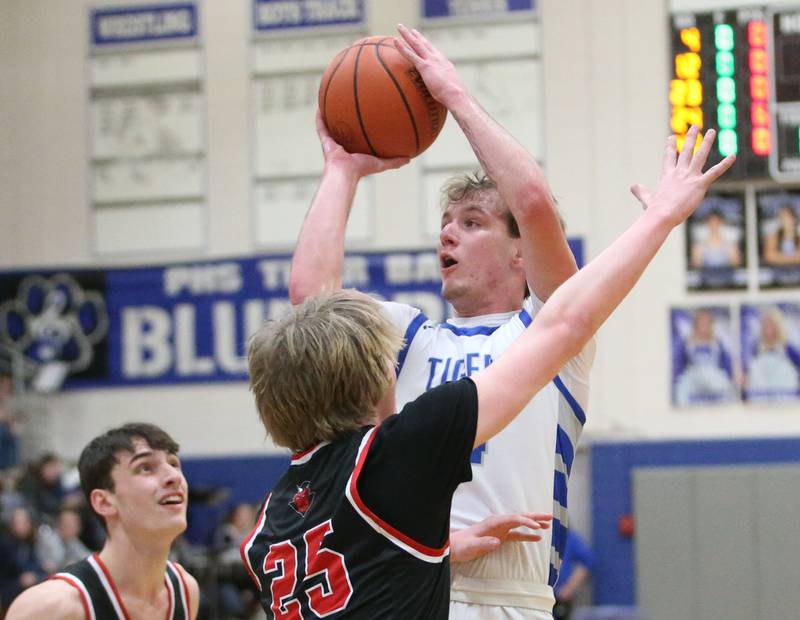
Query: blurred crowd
{"points": [[46, 524]]}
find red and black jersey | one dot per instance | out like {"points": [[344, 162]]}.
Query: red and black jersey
{"points": [[100, 597], [359, 528]]}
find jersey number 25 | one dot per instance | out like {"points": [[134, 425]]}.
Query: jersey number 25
{"points": [[323, 598]]}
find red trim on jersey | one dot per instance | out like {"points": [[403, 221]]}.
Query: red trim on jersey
{"points": [[180, 570], [84, 600], [298, 455], [113, 585], [171, 596], [259, 524], [431, 551]]}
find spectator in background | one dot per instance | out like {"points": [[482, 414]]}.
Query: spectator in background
{"points": [[782, 239], [60, 546], [237, 597], [19, 565], [575, 570], [9, 429], [41, 487]]}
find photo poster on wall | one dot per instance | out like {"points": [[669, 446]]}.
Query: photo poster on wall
{"points": [[716, 251], [778, 238], [770, 345], [702, 356]]}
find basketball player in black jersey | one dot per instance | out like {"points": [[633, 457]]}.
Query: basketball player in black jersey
{"points": [[358, 525], [131, 477]]}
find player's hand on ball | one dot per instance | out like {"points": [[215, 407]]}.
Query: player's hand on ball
{"points": [[683, 184], [438, 73], [356, 163], [488, 535]]}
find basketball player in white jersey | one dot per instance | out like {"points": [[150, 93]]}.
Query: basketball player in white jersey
{"points": [[131, 477], [501, 239]]}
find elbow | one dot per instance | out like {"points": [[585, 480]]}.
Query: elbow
{"points": [[577, 329], [299, 291], [531, 199]]}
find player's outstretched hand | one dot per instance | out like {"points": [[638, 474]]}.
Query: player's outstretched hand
{"points": [[487, 536], [438, 73], [357, 163], [683, 184]]}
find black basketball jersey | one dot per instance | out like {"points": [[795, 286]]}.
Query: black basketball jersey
{"points": [[101, 599], [359, 528]]}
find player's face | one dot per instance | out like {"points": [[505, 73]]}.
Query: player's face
{"points": [[481, 265], [150, 492]]}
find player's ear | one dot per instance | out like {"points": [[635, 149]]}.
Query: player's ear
{"points": [[102, 501]]}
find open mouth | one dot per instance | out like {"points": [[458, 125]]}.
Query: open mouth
{"points": [[175, 499], [447, 261]]}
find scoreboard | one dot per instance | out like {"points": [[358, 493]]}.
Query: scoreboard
{"points": [[785, 160], [721, 78]]}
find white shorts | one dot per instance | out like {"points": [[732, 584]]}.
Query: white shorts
{"points": [[473, 611]]}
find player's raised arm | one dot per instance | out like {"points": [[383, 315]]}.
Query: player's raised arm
{"points": [[520, 182], [319, 254], [578, 307]]}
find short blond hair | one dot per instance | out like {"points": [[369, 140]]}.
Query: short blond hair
{"points": [[321, 370]]}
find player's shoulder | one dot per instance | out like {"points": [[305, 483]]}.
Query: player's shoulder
{"points": [[192, 586], [54, 599]]}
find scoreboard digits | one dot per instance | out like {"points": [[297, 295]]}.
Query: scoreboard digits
{"points": [[721, 79]]}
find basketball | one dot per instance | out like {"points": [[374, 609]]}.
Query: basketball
{"points": [[374, 101]]}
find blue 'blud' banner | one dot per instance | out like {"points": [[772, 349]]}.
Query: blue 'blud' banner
{"points": [[278, 14], [182, 323], [471, 8], [137, 24]]}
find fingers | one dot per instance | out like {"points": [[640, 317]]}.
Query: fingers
{"points": [[412, 40], [322, 129], [670, 155], [699, 159], [685, 158], [406, 52], [642, 194], [715, 172]]}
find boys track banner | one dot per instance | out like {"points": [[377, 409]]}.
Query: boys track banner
{"points": [[180, 323]]}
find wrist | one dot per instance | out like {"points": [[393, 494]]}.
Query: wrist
{"points": [[456, 99]]}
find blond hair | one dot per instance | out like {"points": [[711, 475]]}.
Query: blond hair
{"points": [[322, 369]]}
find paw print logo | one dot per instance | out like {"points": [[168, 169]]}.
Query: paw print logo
{"points": [[53, 320]]}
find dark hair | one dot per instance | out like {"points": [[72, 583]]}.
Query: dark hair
{"points": [[99, 457]]}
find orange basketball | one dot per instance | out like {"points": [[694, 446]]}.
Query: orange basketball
{"points": [[374, 101]]}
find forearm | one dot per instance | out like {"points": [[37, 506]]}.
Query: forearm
{"points": [[319, 254], [523, 187], [505, 160]]}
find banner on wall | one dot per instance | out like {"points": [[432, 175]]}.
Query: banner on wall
{"points": [[474, 8], [182, 323], [771, 351], [279, 14], [702, 362], [135, 24]]}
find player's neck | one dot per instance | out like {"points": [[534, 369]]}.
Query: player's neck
{"points": [[137, 565], [465, 309]]}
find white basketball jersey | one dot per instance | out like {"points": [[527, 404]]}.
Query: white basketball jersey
{"points": [[523, 469]]}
